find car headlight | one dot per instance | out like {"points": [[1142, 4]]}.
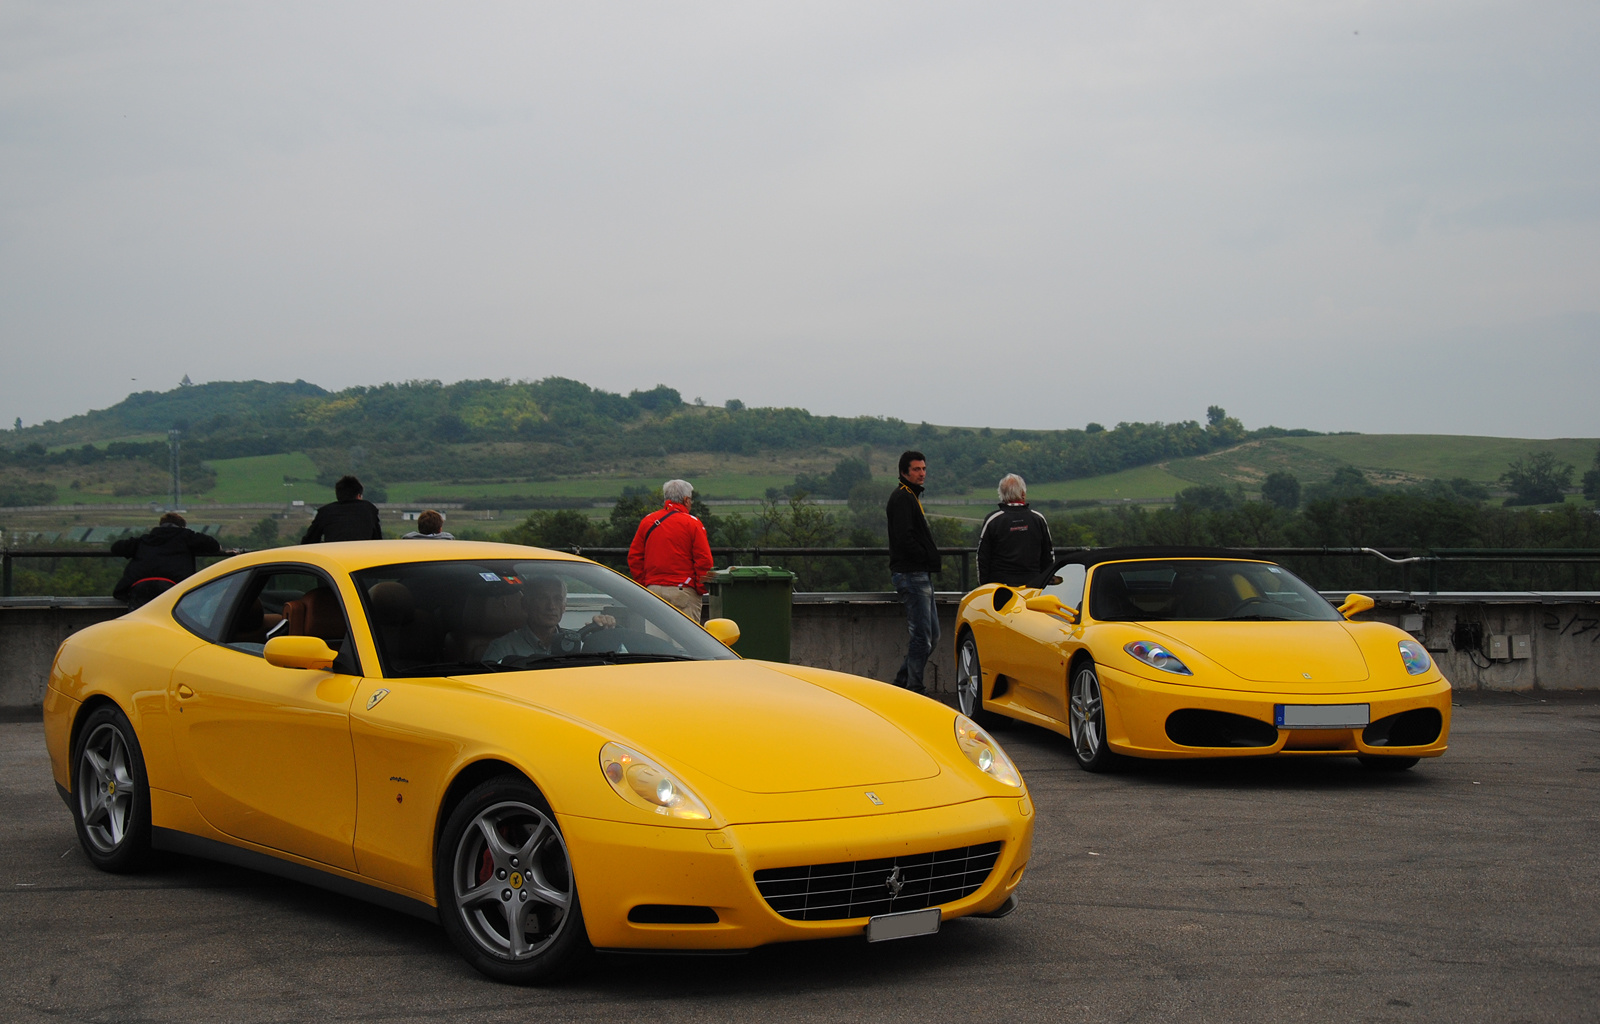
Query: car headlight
{"points": [[643, 783], [1415, 657], [1157, 656], [983, 751]]}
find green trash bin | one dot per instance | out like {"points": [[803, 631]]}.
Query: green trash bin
{"points": [[760, 599]]}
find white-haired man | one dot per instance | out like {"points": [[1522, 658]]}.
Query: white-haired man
{"points": [[670, 553], [1014, 546]]}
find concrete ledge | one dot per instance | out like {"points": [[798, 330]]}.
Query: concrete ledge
{"points": [[865, 634]]}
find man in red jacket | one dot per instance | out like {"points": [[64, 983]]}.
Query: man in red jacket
{"points": [[670, 553]]}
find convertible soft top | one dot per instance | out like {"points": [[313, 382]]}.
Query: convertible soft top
{"points": [[1087, 557]]}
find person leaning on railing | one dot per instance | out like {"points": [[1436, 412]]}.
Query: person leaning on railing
{"points": [[159, 559]]}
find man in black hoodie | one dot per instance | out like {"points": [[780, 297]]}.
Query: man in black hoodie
{"points": [[913, 560], [351, 517], [159, 559]]}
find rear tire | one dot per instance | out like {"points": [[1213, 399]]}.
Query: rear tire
{"points": [[1086, 721], [504, 883], [1380, 763], [110, 792], [969, 684]]}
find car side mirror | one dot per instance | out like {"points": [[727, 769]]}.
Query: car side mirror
{"points": [[1051, 605], [725, 630], [299, 652], [1355, 604]]}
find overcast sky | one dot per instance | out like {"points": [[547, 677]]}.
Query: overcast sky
{"points": [[1381, 217]]}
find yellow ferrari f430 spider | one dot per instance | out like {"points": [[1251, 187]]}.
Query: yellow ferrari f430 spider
{"points": [[529, 748], [1169, 653]]}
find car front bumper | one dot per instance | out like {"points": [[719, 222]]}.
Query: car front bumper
{"points": [[1137, 710], [620, 866]]}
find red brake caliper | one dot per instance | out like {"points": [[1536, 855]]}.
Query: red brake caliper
{"points": [[485, 866]]}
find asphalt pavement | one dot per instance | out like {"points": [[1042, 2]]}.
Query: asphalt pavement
{"points": [[1467, 889]]}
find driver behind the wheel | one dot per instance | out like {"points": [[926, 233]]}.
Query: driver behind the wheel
{"points": [[544, 602]]}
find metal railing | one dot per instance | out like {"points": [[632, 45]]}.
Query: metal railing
{"points": [[1395, 558]]}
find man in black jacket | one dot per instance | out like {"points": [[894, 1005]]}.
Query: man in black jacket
{"points": [[352, 517], [1014, 545], [159, 559], [913, 560]]}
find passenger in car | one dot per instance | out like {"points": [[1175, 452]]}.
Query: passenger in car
{"points": [[544, 602]]}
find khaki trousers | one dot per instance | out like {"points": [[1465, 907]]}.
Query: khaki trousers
{"points": [[685, 599]]}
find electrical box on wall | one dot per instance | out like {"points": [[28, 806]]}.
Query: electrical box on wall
{"points": [[1499, 647], [1411, 623], [1521, 646]]}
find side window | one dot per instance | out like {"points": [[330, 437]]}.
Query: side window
{"points": [[204, 610], [287, 601], [1067, 585]]}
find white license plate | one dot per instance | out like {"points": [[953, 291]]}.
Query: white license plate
{"points": [[1323, 716], [903, 925]]}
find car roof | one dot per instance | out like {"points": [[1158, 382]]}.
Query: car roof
{"points": [[354, 555]]}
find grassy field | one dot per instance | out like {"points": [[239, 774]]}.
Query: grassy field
{"points": [[1443, 456], [261, 478], [726, 485], [1141, 483]]}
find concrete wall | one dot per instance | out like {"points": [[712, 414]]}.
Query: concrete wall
{"points": [[866, 634], [30, 631]]}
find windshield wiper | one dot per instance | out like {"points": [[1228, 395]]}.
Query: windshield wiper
{"points": [[449, 668], [1255, 618]]}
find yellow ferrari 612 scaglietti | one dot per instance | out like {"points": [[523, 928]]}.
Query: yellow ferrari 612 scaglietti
{"points": [[1168, 653], [529, 748]]}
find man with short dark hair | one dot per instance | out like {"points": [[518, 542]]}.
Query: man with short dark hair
{"points": [[159, 559], [351, 517], [1014, 545], [913, 561]]}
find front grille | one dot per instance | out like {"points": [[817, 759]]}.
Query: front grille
{"points": [[865, 888]]}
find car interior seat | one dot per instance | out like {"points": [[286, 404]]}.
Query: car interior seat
{"points": [[315, 613]]}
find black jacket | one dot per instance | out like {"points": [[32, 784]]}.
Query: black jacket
{"points": [[167, 552], [911, 546], [356, 519], [1014, 545]]}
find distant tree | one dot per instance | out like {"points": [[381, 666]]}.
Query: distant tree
{"points": [[1281, 489], [1208, 497], [1224, 429], [1591, 478], [1094, 428], [1346, 482], [186, 382], [1469, 490], [1537, 479], [565, 528], [263, 535], [18, 424], [658, 399], [733, 405]]}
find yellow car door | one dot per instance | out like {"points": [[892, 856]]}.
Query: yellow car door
{"points": [[266, 750]]}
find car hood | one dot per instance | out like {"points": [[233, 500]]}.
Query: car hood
{"points": [[748, 725], [1302, 655]]}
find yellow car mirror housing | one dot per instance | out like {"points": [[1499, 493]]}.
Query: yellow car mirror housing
{"points": [[726, 631], [1355, 604], [299, 652], [1051, 605]]}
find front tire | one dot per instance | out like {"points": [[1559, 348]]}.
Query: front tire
{"points": [[111, 792], [969, 684], [1086, 715], [504, 882]]}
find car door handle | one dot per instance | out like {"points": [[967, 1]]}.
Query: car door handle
{"points": [[184, 693]]}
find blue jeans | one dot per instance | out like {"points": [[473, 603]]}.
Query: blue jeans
{"points": [[922, 622]]}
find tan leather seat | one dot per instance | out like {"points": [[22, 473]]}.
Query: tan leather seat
{"points": [[314, 613]]}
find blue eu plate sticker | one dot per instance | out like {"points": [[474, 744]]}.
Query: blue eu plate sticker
{"points": [[490, 577]]}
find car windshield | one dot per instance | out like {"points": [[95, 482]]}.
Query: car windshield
{"points": [[489, 615], [1206, 590]]}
